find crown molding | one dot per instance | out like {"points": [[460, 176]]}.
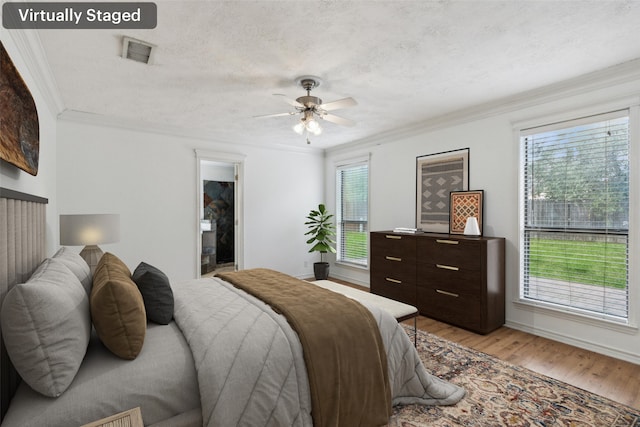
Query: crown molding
{"points": [[83, 117], [616, 75], [30, 47]]}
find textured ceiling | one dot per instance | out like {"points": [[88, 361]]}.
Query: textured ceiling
{"points": [[218, 64]]}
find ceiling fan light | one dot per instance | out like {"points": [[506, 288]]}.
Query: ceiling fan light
{"points": [[299, 128], [313, 126], [317, 131]]}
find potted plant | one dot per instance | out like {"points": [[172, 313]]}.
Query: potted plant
{"points": [[321, 231]]}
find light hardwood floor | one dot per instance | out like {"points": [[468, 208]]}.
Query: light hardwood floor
{"points": [[609, 377]]}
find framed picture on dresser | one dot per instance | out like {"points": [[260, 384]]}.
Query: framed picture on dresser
{"points": [[437, 175], [465, 205]]}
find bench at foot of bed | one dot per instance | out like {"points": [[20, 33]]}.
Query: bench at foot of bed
{"points": [[397, 309]]}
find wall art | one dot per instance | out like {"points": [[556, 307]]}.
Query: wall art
{"points": [[19, 126], [463, 205], [437, 175]]}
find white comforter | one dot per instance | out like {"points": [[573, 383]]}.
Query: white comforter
{"points": [[250, 366]]}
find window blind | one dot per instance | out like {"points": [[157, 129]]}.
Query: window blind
{"points": [[352, 214], [576, 215]]}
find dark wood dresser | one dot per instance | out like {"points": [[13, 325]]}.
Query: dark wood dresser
{"points": [[453, 278]]}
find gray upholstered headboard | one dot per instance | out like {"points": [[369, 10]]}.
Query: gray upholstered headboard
{"points": [[22, 248]]}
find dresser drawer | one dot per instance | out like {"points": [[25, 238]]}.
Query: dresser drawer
{"points": [[442, 276], [394, 289], [462, 254], [402, 271], [459, 309], [392, 245]]}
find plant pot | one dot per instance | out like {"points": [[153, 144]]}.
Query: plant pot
{"points": [[321, 270]]}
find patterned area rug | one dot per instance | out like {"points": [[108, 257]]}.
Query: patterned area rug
{"points": [[501, 394]]}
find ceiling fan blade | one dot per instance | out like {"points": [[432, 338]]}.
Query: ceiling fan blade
{"points": [[275, 115], [340, 103], [289, 101], [337, 120]]}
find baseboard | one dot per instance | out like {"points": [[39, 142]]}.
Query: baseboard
{"points": [[607, 351]]}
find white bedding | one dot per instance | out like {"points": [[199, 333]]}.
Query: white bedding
{"points": [[161, 380], [254, 374], [227, 350]]}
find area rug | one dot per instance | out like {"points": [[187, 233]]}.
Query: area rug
{"points": [[502, 394]]}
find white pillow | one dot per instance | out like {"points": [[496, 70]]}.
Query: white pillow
{"points": [[46, 327], [77, 265]]}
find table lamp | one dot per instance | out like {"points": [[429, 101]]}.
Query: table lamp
{"points": [[472, 228], [89, 230]]}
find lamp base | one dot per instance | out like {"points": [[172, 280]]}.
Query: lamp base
{"points": [[91, 254]]}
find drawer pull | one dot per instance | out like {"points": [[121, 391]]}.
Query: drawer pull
{"points": [[391, 236], [447, 242], [393, 258], [389, 279], [447, 267], [451, 294]]}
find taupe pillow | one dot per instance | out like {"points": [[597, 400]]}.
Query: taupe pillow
{"points": [[77, 265], [46, 327], [117, 308]]}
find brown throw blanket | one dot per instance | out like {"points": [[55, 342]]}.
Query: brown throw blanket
{"points": [[343, 350]]}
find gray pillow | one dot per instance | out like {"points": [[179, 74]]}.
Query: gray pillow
{"points": [[77, 265], [156, 292], [46, 327]]}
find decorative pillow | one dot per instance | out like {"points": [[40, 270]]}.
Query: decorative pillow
{"points": [[117, 308], [46, 327], [77, 265], [156, 293]]}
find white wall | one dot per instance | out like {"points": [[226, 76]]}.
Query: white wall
{"points": [[280, 190], [44, 183], [494, 157], [150, 180]]}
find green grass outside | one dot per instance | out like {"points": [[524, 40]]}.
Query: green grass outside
{"points": [[355, 244], [579, 261]]}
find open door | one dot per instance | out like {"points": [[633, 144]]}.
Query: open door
{"points": [[219, 213]]}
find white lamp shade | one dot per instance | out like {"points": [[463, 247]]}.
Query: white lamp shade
{"points": [[299, 128], [90, 229], [472, 228]]}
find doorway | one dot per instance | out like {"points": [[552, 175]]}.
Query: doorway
{"points": [[219, 213], [218, 243]]}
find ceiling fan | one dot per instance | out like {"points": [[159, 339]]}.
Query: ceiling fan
{"points": [[311, 109]]}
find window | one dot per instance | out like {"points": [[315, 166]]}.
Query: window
{"points": [[575, 219], [352, 212]]}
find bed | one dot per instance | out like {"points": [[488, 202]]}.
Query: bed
{"points": [[218, 355]]}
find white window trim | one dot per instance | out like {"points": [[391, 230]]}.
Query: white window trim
{"points": [[631, 325], [634, 212], [349, 161]]}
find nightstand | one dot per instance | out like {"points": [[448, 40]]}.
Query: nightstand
{"points": [[130, 418]]}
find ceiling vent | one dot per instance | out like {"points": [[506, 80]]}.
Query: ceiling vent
{"points": [[137, 50]]}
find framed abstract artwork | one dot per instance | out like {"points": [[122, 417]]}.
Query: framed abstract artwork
{"points": [[437, 175], [463, 205], [19, 126]]}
